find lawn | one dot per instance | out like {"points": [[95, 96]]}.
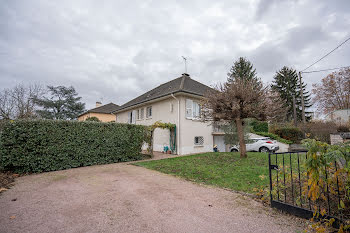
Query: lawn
{"points": [[226, 170]]}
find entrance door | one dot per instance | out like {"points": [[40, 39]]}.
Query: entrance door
{"points": [[219, 141]]}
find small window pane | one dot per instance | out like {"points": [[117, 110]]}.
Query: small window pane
{"points": [[142, 112], [189, 106], [149, 112]]}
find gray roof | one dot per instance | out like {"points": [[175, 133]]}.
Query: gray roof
{"points": [[107, 109], [180, 84]]}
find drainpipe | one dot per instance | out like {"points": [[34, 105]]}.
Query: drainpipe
{"points": [[178, 125]]}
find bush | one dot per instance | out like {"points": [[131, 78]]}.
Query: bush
{"points": [[342, 129], [274, 137], [290, 133], [319, 130], [48, 145], [260, 126], [93, 119]]}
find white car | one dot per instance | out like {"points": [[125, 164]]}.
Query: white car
{"points": [[259, 145]]}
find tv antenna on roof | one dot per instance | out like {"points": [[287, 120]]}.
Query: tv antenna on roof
{"points": [[185, 60]]}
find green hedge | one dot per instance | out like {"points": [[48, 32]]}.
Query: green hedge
{"points": [[290, 133], [47, 145], [274, 136], [260, 126]]}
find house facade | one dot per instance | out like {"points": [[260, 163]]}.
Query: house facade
{"points": [[340, 117], [176, 102], [103, 112]]}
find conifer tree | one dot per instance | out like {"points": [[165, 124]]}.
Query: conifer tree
{"points": [[286, 83]]}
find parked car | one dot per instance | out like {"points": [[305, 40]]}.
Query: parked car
{"points": [[259, 145]]}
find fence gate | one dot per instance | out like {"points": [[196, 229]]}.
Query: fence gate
{"points": [[289, 187]]}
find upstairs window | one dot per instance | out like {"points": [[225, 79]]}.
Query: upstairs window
{"points": [[149, 112], [193, 109]]}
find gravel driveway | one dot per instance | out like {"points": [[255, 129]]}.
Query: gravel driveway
{"points": [[127, 198]]}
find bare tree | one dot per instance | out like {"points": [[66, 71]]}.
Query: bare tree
{"points": [[18, 102], [333, 92], [239, 99], [7, 105]]}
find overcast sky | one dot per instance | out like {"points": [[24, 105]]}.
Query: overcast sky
{"points": [[116, 50]]}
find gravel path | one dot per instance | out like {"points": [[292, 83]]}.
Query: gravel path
{"points": [[127, 198]]}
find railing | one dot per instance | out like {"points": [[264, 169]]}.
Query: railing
{"points": [[289, 187]]}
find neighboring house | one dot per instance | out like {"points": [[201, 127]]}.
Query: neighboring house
{"points": [[103, 112], [177, 102], [340, 117]]}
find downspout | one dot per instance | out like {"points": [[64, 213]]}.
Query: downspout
{"points": [[178, 126]]}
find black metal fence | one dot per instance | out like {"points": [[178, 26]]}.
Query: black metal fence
{"points": [[289, 187]]}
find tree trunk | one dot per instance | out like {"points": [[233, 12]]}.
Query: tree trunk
{"points": [[240, 132]]}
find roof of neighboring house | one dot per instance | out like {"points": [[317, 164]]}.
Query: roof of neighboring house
{"points": [[180, 84], [107, 109]]}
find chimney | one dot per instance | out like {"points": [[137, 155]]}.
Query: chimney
{"points": [[98, 104]]}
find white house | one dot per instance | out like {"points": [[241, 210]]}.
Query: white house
{"points": [[340, 117], [177, 102]]}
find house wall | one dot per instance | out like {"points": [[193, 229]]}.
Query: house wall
{"points": [[161, 111], [340, 117], [187, 130], [191, 128], [101, 116]]}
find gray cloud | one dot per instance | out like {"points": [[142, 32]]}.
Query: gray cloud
{"points": [[117, 50]]}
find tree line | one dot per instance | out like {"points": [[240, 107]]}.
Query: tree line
{"points": [[244, 95], [34, 101]]}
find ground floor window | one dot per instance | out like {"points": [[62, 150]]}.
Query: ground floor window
{"points": [[149, 112], [198, 140]]}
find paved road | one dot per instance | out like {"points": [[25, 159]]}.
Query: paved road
{"points": [[127, 198]]}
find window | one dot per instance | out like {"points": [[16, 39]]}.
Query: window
{"points": [[198, 141], [142, 112], [132, 117], [196, 110], [193, 109], [149, 112]]}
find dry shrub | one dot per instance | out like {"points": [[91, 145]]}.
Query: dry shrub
{"points": [[343, 129], [319, 130]]}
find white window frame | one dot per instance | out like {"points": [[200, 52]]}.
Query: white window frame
{"points": [[132, 117], [193, 109], [148, 111]]}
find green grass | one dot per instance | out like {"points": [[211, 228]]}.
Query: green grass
{"points": [[226, 170]]}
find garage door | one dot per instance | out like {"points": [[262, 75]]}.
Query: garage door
{"points": [[219, 141]]}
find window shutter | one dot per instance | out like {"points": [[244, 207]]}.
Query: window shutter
{"points": [[129, 117], [133, 117], [189, 107]]}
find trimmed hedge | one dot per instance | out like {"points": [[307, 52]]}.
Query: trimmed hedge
{"points": [[274, 136], [260, 126], [48, 145], [290, 133]]}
